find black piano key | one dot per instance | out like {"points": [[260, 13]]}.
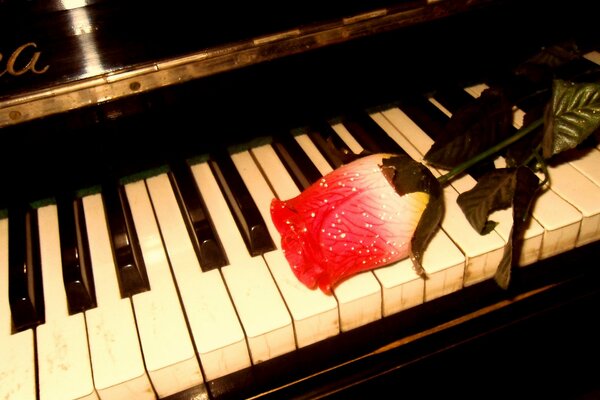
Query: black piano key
{"points": [[25, 277], [127, 253], [369, 134], [296, 161], [432, 121], [453, 98], [206, 243], [579, 70], [333, 148], [242, 206], [428, 116], [76, 263]]}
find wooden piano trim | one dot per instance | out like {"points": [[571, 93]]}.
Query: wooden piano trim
{"points": [[142, 78]]}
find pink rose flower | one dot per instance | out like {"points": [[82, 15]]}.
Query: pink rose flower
{"points": [[360, 216]]}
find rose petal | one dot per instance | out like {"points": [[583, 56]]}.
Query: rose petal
{"points": [[350, 221]]}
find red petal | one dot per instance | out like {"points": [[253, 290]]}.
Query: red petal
{"points": [[350, 221]]}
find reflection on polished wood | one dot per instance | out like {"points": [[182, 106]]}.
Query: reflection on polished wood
{"points": [[95, 83]]}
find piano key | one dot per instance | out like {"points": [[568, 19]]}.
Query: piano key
{"points": [[392, 280], [577, 188], [442, 259], [130, 265], [249, 221], [586, 161], [563, 220], [207, 245], [313, 154], [63, 358], [169, 355], [214, 325], [583, 194], [333, 148], [314, 313], [25, 287], [359, 298], [444, 263], [360, 128], [17, 364], [297, 163], [593, 56], [76, 265], [115, 351], [483, 252], [262, 311], [424, 112], [284, 188]]}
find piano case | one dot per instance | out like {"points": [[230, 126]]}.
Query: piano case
{"points": [[108, 88]]}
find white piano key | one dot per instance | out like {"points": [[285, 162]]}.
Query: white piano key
{"points": [[587, 161], [583, 194], [593, 56], [533, 234], [483, 252], [442, 260], [262, 311], [401, 286], [314, 313], [313, 153], [213, 322], [64, 368], [115, 351], [359, 297], [559, 220], [168, 352], [587, 164], [564, 179], [17, 363]]}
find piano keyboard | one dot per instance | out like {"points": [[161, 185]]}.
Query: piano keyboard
{"points": [[166, 288]]}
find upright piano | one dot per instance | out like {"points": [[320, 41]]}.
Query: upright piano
{"points": [[143, 142]]}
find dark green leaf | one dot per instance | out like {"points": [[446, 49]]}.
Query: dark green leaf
{"points": [[504, 272], [471, 130], [573, 114], [540, 66], [493, 191], [412, 176], [526, 188]]}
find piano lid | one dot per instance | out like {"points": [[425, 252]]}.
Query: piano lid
{"points": [[61, 55]]}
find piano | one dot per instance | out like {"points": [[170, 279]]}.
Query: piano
{"points": [[141, 147]]}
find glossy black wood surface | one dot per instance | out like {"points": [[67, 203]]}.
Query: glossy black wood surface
{"points": [[79, 148], [79, 39]]}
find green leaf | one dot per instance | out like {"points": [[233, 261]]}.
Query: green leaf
{"points": [[472, 130], [572, 115], [493, 191], [503, 274], [540, 66], [526, 188]]}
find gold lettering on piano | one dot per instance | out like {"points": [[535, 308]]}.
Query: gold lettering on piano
{"points": [[15, 66]]}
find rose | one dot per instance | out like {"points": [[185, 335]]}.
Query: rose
{"points": [[366, 214]]}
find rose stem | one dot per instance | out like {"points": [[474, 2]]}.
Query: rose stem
{"points": [[492, 150]]}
